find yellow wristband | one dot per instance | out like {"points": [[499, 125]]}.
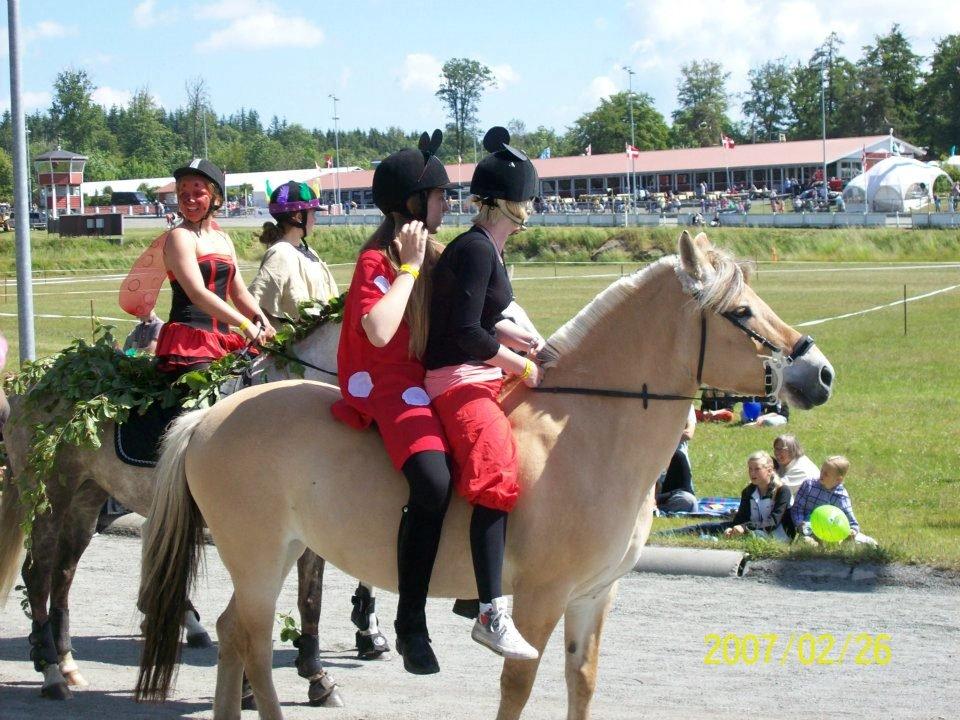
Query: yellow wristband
{"points": [[244, 326], [527, 369], [408, 268]]}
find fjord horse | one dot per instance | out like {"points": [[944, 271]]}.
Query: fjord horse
{"points": [[620, 378]]}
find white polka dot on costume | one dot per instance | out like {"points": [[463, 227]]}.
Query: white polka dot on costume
{"points": [[360, 384], [416, 396], [381, 282]]}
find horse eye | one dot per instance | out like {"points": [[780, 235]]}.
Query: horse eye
{"points": [[743, 311]]}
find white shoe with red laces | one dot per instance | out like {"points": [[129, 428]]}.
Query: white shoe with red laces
{"points": [[495, 629]]}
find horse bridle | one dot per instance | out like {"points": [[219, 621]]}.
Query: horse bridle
{"points": [[774, 366]]}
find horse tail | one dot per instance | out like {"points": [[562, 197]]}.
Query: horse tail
{"points": [[11, 535], [172, 547]]}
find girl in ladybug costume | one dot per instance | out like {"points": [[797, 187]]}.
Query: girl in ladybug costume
{"points": [[202, 268]]}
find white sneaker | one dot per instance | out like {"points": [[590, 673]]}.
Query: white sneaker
{"points": [[495, 630]]}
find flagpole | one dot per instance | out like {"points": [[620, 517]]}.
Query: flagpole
{"points": [[633, 140]]}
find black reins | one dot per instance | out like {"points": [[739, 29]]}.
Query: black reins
{"points": [[299, 361]]}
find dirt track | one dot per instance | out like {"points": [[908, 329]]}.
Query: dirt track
{"points": [[652, 662]]}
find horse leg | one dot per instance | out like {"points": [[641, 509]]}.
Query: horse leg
{"points": [[75, 534], [37, 572], [536, 612], [226, 703], [246, 642], [371, 643], [323, 691], [583, 623]]}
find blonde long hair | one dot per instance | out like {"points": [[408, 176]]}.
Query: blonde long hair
{"points": [[762, 457]]}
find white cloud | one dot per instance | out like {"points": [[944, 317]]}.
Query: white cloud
{"points": [[31, 100], [420, 71], [47, 29], [504, 75], [145, 14], [599, 88], [108, 97], [257, 26]]}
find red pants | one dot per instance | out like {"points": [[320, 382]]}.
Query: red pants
{"points": [[482, 443]]}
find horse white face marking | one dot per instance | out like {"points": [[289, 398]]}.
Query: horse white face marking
{"points": [[416, 396], [381, 282], [360, 384]]}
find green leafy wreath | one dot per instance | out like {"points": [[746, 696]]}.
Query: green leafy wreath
{"points": [[89, 383]]}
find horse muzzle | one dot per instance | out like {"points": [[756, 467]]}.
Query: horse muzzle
{"points": [[808, 380]]}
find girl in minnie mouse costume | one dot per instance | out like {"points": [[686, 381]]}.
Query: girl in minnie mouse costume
{"points": [[202, 268], [381, 376], [471, 345]]}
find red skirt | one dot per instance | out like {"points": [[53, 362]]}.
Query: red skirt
{"points": [[482, 443], [179, 346]]}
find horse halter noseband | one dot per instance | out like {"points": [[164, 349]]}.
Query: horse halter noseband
{"points": [[773, 366]]}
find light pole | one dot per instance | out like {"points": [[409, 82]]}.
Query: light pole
{"points": [[633, 141], [336, 146], [823, 128]]}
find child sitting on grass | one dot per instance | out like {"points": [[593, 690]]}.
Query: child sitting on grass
{"points": [[827, 490]]}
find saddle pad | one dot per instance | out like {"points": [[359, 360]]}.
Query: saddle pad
{"points": [[137, 441]]}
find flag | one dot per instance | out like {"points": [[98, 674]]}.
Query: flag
{"points": [[545, 155], [863, 158], [589, 149], [727, 142], [269, 190], [459, 159], [329, 161], [953, 150], [632, 151]]}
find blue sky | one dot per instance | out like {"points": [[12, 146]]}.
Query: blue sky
{"points": [[553, 60]]}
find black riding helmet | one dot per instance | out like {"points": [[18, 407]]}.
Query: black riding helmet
{"points": [[505, 174], [289, 200], [205, 168], [407, 172]]}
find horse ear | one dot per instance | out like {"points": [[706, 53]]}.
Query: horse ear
{"points": [[703, 242], [693, 257]]}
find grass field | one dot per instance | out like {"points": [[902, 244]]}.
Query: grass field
{"points": [[895, 413]]}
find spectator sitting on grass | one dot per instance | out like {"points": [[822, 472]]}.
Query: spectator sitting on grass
{"points": [[827, 490], [763, 507], [675, 486], [791, 464]]}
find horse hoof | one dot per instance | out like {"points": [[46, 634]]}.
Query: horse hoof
{"points": [[323, 692], [57, 691], [371, 646], [75, 679], [199, 640]]}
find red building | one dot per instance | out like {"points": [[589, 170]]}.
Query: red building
{"points": [[59, 175]]}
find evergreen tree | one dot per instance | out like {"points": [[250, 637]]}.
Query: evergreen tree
{"points": [[940, 98], [889, 74]]}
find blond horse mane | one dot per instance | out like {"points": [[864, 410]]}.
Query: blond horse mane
{"points": [[716, 292]]}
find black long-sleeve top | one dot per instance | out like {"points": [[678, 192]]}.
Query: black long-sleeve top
{"points": [[750, 515], [471, 289]]}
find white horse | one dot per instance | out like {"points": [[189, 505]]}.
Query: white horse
{"points": [[620, 378]]}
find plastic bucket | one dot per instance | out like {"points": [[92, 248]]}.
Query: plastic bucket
{"points": [[750, 411]]}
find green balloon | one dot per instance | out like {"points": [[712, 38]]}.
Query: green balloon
{"points": [[829, 523]]}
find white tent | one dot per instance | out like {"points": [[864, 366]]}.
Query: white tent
{"points": [[895, 184]]}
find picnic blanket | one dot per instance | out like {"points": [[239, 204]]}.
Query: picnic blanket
{"points": [[715, 507]]}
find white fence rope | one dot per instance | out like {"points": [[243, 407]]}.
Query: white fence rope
{"points": [[809, 323]]}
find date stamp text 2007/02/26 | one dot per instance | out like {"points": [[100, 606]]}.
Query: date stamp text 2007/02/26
{"points": [[806, 649]]}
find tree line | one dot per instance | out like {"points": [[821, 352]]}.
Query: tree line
{"points": [[885, 87]]}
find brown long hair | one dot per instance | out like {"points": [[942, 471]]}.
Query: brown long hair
{"points": [[417, 313]]}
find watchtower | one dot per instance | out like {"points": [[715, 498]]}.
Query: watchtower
{"points": [[60, 174]]}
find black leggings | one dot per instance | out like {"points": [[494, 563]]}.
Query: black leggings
{"points": [[428, 475], [488, 539]]}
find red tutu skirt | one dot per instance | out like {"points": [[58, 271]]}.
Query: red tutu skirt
{"points": [[179, 346]]}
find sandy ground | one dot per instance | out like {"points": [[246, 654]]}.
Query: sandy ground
{"points": [[652, 664]]}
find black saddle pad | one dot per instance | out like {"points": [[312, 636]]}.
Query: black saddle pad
{"points": [[137, 441]]}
